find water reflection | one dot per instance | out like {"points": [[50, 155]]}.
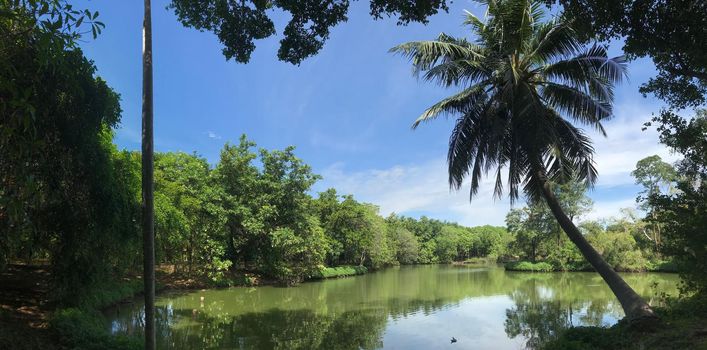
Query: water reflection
{"points": [[403, 308]]}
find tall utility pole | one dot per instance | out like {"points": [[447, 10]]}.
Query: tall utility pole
{"points": [[148, 210]]}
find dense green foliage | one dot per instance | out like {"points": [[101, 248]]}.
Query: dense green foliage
{"points": [[672, 33], [254, 212], [441, 242], [536, 234], [627, 242], [63, 192], [683, 214]]}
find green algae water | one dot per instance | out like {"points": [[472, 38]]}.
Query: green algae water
{"points": [[411, 307]]}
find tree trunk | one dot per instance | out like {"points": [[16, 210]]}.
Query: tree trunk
{"points": [[633, 305], [148, 210]]}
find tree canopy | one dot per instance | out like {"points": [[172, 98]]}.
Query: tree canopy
{"points": [[672, 33], [238, 24]]}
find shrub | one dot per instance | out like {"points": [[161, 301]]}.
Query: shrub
{"points": [[567, 258], [587, 338], [632, 261], [663, 266], [110, 293], [620, 250], [294, 253], [489, 260], [339, 271], [80, 329], [529, 266]]}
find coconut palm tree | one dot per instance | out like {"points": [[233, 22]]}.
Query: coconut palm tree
{"points": [[525, 83]]}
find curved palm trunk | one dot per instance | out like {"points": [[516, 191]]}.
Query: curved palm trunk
{"points": [[634, 306], [148, 210]]}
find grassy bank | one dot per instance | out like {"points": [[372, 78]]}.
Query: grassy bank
{"points": [[543, 266], [85, 329], [83, 326], [683, 326], [529, 266], [338, 271]]}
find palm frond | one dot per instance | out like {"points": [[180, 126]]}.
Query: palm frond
{"points": [[457, 72], [474, 22], [578, 76], [468, 139], [463, 144], [576, 154], [551, 41], [426, 54], [577, 105], [455, 104], [594, 61]]}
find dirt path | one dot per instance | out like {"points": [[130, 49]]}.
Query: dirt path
{"points": [[25, 308]]}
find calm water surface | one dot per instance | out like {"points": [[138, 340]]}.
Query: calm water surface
{"points": [[417, 307]]}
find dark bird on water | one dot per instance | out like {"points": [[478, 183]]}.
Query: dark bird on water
{"points": [[454, 340]]}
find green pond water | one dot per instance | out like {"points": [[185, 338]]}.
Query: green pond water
{"points": [[415, 307]]}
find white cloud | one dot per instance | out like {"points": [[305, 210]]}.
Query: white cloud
{"points": [[213, 135], [626, 144], [418, 188]]}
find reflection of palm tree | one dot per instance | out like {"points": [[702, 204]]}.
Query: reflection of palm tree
{"points": [[538, 322], [542, 310], [524, 84], [535, 318]]}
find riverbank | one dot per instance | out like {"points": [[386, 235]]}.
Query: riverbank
{"points": [[25, 308], [29, 319], [544, 266], [683, 326]]}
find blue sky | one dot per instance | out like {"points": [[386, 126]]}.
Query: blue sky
{"points": [[348, 110]]}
